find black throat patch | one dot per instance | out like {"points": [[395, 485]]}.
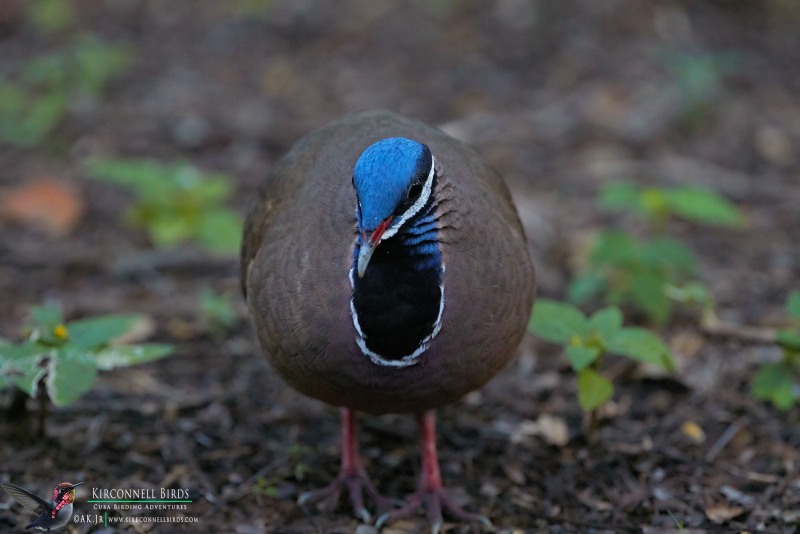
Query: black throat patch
{"points": [[397, 304]]}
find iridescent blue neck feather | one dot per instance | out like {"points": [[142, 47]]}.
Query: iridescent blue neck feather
{"points": [[397, 303]]}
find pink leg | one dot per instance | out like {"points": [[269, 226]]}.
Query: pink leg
{"points": [[430, 494], [352, 475]]}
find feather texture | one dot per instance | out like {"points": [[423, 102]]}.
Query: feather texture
{"points": [[298, 250], [31, 502]]}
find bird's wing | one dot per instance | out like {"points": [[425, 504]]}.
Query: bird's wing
{"points": [[26, 498]]}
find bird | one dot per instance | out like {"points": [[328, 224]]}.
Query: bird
{"points": [[386, 270], [53, 514]]}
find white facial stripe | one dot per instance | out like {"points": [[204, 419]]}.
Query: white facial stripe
{"points": [[405, 361], [415, 207], [353, 312]]}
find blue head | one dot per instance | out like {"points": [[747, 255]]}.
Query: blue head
{"points": [[393, 180]]}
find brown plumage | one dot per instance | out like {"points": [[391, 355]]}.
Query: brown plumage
{"points": [[298, 251]]}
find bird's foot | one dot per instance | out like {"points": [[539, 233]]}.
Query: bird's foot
{"points": [[357, 485], [434, 500]]}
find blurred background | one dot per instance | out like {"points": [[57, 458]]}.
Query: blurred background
{"points": [[133, 134]]}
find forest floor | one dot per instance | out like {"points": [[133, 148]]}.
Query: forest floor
{"points": [[563, 98]]}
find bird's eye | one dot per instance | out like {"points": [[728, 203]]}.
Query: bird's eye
{"points": [[415, 191]]}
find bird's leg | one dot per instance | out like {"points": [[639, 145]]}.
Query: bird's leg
{"points": [[430, 493], [352, 475]]}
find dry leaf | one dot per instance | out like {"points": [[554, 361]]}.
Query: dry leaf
{"points": [[693, 431], [49, 204], [139, 331], [552, 429], [722, 513]]}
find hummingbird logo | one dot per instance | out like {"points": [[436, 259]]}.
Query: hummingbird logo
{"points": [[53, 514]]}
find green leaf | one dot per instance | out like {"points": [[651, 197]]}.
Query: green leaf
{"points": [[584, 287], [642, 345], [29, 112], [46, 316], [95, 332], [669, 254], [11, 354], [127, 355], [580, 356], [594, 390], [50, 16], [220, 231], [128, 172], [654, 204], [217, 309], [176, 202], [690, 293], [557, 322], [606, 323], [700, 76], [96, 62], [788, 339], [793, 305], [773, 382], [704, 206], [48, 326], [648, 291], [13, 101], [613, 248], [208, 191], [29, 381], [42, 116], [620, 197], [169, 229], [49, 71], [19, 365], [69, 375]]}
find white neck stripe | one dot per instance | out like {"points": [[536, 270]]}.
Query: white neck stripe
{"points": [[415, 207]]}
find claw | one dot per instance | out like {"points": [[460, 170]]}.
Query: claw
{"points": [[352, 477], [364, 515], [305, 498], [430, 494], [357, 484], [435, 502]]}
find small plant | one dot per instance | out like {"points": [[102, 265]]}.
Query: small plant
{"points": [[252, 8], [176, 202], [588, 339], [696, 294], [651, 275], [50, 16], [658, 204], [698, 81], [36, 102], [625, 270], [217, 311], [678, 523], [64, 358], [779, 382], [265, 487]]}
